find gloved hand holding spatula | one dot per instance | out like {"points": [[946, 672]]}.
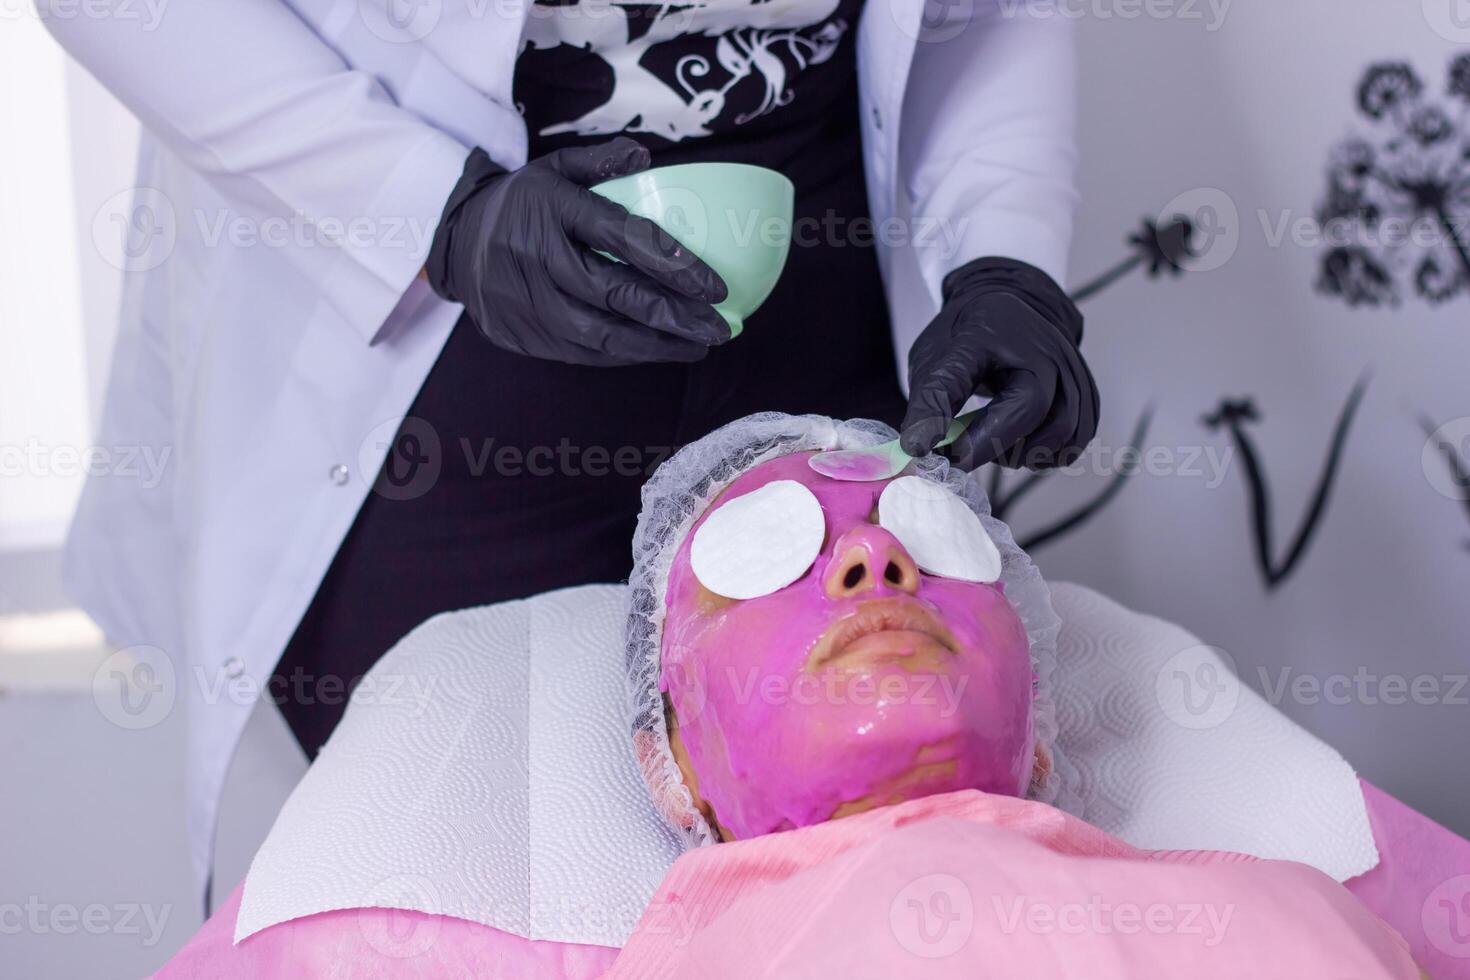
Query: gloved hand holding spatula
{"points": [[1005, 328]]}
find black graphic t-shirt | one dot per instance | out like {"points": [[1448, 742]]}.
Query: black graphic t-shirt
{"points": [[770, 82], [765, 82]]}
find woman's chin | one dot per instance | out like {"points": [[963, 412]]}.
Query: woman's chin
{"points": [[925, 779]]}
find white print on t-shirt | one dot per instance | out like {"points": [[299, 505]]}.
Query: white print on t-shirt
{"points": [[752, 36]]}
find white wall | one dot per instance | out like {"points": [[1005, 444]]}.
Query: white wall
{"points": [[103, 824], [1250, 109], [109, 133], [59, 296], [43, 394]]}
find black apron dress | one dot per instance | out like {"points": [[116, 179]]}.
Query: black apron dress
{"points": [[539, 464]]}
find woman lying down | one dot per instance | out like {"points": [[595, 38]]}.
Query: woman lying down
{"points": [[843, 719]]}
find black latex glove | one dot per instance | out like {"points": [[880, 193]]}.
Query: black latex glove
{"points": [[517, 249], [1005, 328]]}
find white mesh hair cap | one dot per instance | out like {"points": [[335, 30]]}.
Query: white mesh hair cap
{"points": [[679, 492]]}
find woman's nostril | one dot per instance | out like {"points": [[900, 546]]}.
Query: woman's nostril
{"points": [[854, 576]]}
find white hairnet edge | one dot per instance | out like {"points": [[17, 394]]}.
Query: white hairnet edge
{"points": [[681, 489]]}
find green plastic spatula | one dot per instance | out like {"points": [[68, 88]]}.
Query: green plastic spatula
{"points": [[881, 462]]}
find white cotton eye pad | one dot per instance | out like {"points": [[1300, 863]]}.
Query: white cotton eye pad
{"points": [[759, 542], [938, 529]]}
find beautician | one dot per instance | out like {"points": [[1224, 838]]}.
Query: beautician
{"points": [[438, 395]]}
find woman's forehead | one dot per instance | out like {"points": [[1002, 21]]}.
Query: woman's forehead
{"points": [[842, 495]]}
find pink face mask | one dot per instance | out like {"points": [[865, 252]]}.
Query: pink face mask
{"points": [[862, 683]]}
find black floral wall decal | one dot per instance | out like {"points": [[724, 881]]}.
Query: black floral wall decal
{"points": [[1156, 249], [1458, 467], [1236, 415], [1161, 249], [1003, 500], [1396, 215]]}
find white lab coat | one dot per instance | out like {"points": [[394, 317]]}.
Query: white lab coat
{"points": [[273, 346]]}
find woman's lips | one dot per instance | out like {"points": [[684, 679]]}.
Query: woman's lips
{"points": [[883, 631]]}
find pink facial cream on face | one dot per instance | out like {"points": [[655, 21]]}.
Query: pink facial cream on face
{"points": [[864, 682]]}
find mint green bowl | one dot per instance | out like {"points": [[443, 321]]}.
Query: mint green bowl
{"points": [[734, 216]]}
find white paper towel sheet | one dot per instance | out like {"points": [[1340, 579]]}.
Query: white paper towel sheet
{"points": [[509, 795], [1173, 751], [488, 774]]}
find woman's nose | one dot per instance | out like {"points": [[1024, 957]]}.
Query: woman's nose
{"points": [[867, 559]]}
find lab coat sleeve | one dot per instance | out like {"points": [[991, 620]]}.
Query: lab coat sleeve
{"points": [[988, 150], [246, 94]]}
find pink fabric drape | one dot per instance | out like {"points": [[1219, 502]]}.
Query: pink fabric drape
{"points": [[1421, 888]]}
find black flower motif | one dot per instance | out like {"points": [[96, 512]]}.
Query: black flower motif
{"points": [[1351, 163], [1386, 86], [1436, 283], [1166, 248], [1351, 272], [1460, 77], [1412, 171], [1345, 203], [1232, 412], [1157, 249], [1430, 125]]}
